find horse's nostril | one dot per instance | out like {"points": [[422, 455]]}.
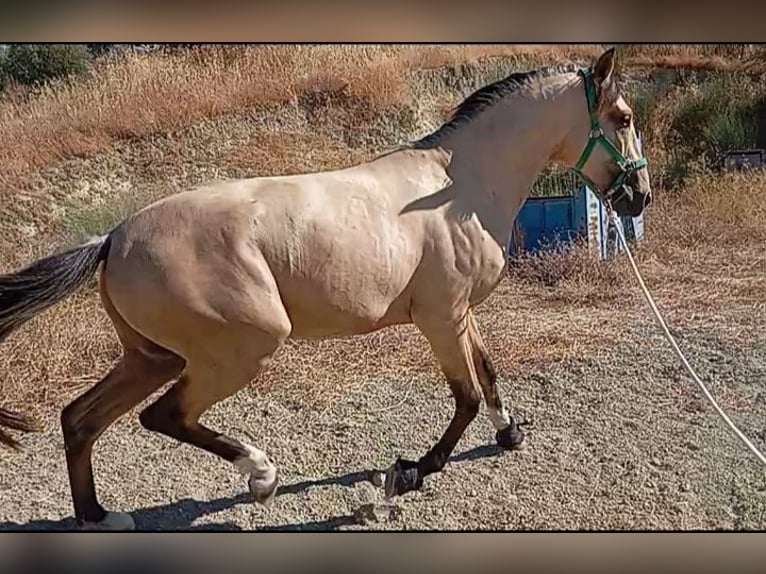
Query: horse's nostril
{"points": [[647, 199]]}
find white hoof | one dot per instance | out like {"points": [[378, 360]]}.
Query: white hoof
{"points": [[112, 521], [263, 489], [378, 478], [263, 475]]}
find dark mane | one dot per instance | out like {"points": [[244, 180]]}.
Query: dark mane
{"points": [[486, 97]]}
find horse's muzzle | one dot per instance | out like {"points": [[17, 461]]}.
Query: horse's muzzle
{"points": [[628, 202]]}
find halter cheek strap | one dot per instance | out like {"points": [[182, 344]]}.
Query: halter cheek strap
{"points": [[596, 136]]}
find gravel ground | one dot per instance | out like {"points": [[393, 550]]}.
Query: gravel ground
{"points": [[623, 442]]}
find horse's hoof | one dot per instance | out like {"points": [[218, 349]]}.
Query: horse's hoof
{"points": [[511, 438], [376, 477], [113, 521], [402, 477], [263, 491]]}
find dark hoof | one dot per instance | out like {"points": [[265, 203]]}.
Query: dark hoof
{"points": [[511, 438], [402, 477]]}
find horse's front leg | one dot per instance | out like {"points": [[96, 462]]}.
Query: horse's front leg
{"points": [[452, 345], [508, 434]]}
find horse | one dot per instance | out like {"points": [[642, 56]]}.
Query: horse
{"points": [[205, 285]]}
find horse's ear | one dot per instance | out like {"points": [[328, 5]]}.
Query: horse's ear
{"points": [[604, 68]]}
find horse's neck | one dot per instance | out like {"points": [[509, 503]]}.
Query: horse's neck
{"points": [[498, 155]]}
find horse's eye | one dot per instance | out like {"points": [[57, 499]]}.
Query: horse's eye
{"points": [[625, 121]]}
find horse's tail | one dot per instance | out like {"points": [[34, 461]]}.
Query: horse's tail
{"points": [[30, 291], [15, 421]]}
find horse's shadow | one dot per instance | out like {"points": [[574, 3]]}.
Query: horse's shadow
{"points": [[181, 515]]}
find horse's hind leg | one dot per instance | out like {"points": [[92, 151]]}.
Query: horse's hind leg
{"points": [[508, 435], [210, 378], [139, 373], [143, 368]]}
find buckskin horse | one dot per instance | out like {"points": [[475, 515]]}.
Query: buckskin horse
{"points": [[203, 286]]}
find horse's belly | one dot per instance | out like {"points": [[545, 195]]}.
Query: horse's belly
{"points": [[344, 286], [344, 273], [320, 309]]}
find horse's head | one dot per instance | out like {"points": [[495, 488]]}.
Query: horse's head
{"points": [[605, 137]]}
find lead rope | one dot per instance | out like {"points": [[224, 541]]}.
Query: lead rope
{"points": [[615, 222]]}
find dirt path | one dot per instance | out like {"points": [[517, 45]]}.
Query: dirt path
{"points": [[616, 444]]}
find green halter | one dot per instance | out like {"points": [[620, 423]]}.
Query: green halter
{"points": [[627, 167]]}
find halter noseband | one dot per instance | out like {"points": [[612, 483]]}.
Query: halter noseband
{"points": [[596, 136]]}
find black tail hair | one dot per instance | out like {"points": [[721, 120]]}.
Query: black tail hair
{"points": [[31, 290]]}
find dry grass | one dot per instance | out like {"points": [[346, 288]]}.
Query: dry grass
{"points": [[573, 271], [51, 359], [700, 240], [714, 210], [704, 252], [134, 95]]}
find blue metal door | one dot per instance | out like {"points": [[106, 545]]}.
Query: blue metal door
{"points": [[543, 221]]}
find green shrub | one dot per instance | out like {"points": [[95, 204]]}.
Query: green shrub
{"points": [[644, 101], [98, 49], [717, 116], [674, 172], [759, 111], [34, 64], [734, 130]]}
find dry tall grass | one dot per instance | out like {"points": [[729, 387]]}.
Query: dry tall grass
{"points": [[134, 95]]}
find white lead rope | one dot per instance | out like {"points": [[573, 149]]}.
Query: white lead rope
{"points": [[614, 221]]}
